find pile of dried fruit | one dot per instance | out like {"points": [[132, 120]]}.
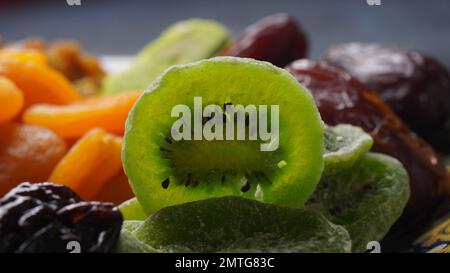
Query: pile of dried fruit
{"points": [[321, 189]]}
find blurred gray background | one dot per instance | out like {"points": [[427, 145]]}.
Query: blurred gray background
{"points": [[123, 27]]}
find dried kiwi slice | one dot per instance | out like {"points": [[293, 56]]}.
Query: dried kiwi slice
{"points": [[132, 210], [128, 243], [234, 224], [366, 198], [344, 145], [165, 172], [182, 43]]}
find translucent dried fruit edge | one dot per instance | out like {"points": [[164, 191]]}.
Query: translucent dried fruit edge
{"points": [[90, 163], [27, 153], [46, 218], [74, 120]]}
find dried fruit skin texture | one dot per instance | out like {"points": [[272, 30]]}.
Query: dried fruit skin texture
{"points": [[340, 98], [277, 39], [90, 163], [74, 120], [11, 100], [366, 198], [39, 83], [44, 218], [417, 87], [27, 153], [235, 224]]}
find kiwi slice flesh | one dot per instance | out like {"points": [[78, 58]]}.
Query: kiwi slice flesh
{"points": [[132, 210], [182, 43], [235, 224], [367, 198], [165, 172], [344, 145]]}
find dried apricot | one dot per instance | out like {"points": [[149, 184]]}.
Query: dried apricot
{"points": [[23, 55], [90, 163], [39, 83], [11, 99], [27, 153], [74, 120], [117, 190]]}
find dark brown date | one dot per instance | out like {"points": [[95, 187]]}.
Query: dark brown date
{"points": [[342, 99], [277, 39], [417, 87]]}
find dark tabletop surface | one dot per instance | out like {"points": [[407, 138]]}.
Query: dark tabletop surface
{"points": [[122, 27]]}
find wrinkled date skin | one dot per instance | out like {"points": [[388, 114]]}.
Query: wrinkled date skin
{"points": [[417, 87], [342, 99], [44, 218], [277, 39]]}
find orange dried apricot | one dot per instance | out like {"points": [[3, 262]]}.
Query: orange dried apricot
{"points": [[39, 83], [27, 153], [11, 100], [74, 120], [23, 55], [90, 163], [117, 190]]}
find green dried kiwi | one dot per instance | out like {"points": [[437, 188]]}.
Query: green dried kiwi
{"points": [[128, 243], [131, 225], [164, 172], [235, 224], [132, 210], [182, 43], [344, 145], [366, 198]]}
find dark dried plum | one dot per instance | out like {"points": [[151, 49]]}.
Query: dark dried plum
{"points": [[417, 87], [99, 223], [56, 196], [46, 217], [342, 99], [277, 39]]}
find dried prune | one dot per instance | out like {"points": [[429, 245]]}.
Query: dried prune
{"points": [[277, 39], [416, 86], [342, 99], [55, 196], [45, 217]]}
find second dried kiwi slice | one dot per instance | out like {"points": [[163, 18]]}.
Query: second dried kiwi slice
{"points": [[184, 42], [165, 172]]}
